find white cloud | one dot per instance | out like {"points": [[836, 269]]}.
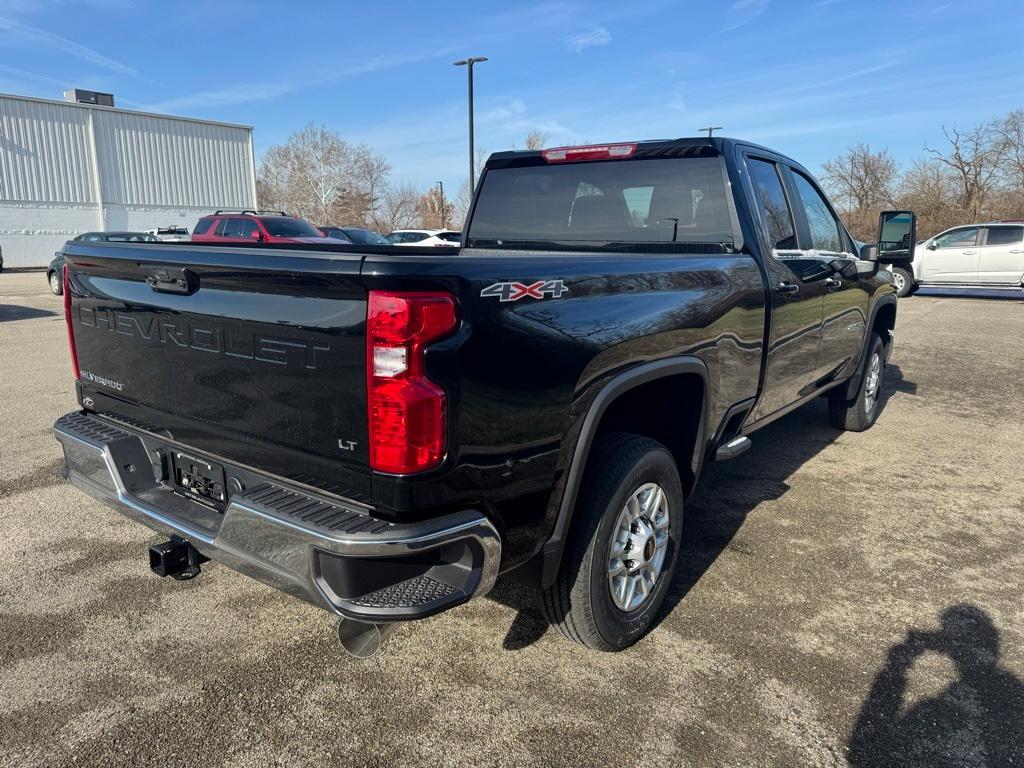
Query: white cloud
{"points": [[243, 93], [742, 12], [69, 47], [24, 75], [589, 38]]}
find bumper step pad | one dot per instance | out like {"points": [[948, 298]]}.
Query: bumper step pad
{"points": [[414, 593], [313, 512]]}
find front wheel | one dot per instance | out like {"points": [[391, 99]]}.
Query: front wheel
{"points": [[55, 284], [861, 412], [623, 545], [903, 281]]}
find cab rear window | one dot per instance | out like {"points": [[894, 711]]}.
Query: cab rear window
{"points": [[678, 200]]}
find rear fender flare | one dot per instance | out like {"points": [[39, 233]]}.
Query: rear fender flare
{"points": [[617, 386]]}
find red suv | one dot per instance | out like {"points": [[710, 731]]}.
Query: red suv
{"points": [[261, 226]]}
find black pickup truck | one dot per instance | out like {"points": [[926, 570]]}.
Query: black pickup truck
{"points": [[383, 432]]}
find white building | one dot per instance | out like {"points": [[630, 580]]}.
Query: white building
{"points": [[68, 168]]}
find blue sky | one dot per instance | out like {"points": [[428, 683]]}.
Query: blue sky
{"points": [[808, 78]]}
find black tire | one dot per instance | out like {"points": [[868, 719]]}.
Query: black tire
{"points": [[580, 602], [56, 284], [908, 285], [857, 414]]}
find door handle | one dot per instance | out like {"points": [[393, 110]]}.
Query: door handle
{"points": [[832, 284], [185, 282], [1017, 250], [787, 289], [970, 253]]}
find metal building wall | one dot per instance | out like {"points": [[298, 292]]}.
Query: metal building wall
{"points": [[70, 168]]}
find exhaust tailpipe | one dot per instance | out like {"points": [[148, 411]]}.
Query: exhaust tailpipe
{"points": [[362, 639]]}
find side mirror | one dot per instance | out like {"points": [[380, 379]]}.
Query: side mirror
{"points": [[932, 246], [257, 236], [897, 235]]}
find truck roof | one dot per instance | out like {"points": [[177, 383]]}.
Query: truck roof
{"points": [[719, 145]]}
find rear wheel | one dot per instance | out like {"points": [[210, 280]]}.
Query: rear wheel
{"points": [[860, 413], [623, 546], [903, 281], [55, 284]]}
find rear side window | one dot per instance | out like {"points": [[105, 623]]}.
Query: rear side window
{"points": [[659, 200], [771, 198], [825, 235], [203, 226], [237, 228], [1004, 235], [408, 237]]}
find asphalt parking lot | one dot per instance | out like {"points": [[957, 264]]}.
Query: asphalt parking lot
{"points": [[843, 599]]}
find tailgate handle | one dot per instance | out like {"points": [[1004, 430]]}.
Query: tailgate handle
{"points": [[181, 281]]}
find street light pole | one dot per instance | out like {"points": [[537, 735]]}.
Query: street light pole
{"points": [[711, 129], [444, 224], [468, 64]]}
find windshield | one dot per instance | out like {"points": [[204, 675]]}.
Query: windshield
{"points": [[680, 200], [288, 227], [365, 237]]}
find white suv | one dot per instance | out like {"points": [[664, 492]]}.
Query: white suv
{"points": [[172, 234], [980, 255], [439, 237]]}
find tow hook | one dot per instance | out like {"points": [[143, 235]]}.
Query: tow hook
{"points": [[176, 558], [363, 639]]}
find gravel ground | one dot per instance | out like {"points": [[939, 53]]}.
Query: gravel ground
{"points": [[844, 599]]}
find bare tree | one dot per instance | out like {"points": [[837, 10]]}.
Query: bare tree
{"points": [[1011, 131], [434, 211], [371, 173], [321, 177], [929, 190], [537, 139], [397, 209], [465, 197], [975, 157], [861, 178], [862, 183]]}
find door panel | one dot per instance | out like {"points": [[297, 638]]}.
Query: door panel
{"points": [[954, 258], [845, 300], [797, 288], [1001, 258]]}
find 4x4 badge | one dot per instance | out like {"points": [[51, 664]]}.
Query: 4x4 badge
{"points": [[510, 290]]}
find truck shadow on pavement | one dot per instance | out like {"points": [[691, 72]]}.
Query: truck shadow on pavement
{"points": [[976, 720], [10, 312], [725, 495]]}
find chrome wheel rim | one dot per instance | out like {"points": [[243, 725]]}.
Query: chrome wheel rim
{"points": [[54, 282], [636, 553], [874, 379], [898, 281]]}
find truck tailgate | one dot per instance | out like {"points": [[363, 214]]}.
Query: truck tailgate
{"points": [[255, 354]]}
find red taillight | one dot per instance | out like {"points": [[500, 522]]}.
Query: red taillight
{"points": [[592, 152], [407, 410], [67, 320]]}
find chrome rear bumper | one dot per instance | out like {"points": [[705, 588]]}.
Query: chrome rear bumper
{"points": [[315, 547]]}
